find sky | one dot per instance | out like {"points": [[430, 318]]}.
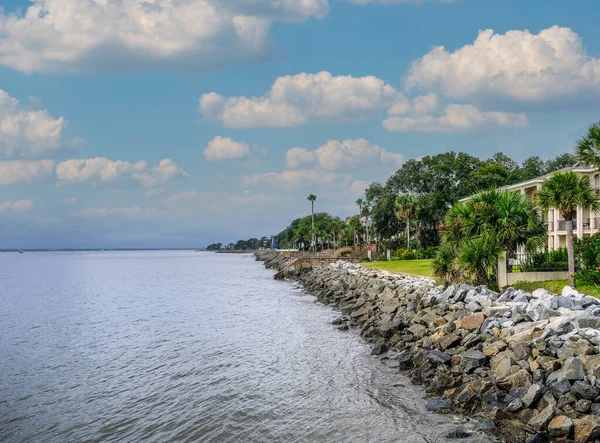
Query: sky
{"points": [[178, 123]]}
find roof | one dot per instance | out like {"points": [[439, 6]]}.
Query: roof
{"points": [[575, 168]]}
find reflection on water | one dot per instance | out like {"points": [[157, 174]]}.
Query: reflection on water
{"points": [[187, 346]]}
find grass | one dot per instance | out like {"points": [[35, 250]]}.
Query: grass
{"points": [[415, 267], [556, 287]]}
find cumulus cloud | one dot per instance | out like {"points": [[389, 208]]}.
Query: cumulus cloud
{"points": [[103, 169], [28, 132], [224, 148], [427, 114], [394, 2], [91, 35], [294, 179], [82, 170], [16, 206], [166, 170], [519, 66], [15, 171], [124, 212], [334, 155], [298, 99]]}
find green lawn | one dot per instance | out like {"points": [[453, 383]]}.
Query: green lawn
{"points": [[415, 267], [556, 287]]}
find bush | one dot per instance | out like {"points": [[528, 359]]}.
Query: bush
{"points": [[426, 253], [405, 254], [546, 261], [587, 258], [364, 259]]}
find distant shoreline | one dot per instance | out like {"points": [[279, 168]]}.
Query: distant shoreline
{"points": [[103, 250]]}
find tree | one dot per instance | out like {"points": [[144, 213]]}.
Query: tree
{"points": [[478, 229], [565, 191], [588, 147], [405, 209], [311, 198]]}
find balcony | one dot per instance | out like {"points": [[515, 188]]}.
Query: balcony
{"points": [[587, 224]]}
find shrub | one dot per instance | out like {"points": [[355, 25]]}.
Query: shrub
{"points": [[587, 258], [546, 261]]}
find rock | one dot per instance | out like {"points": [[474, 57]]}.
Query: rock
{"points": [[337, 321], [561, 302], [588, 322], [573, 369], [584, 390], [405, 360], [439, 404], [521, 379], [583, 406], [564, 400], [542, 418], [458, 434], [569, 292], [448, 341], [379, 349], [595, 409], [586, 428], [537, 438], [534, 393], [472, 322], [540, 293], [514, 406], [501, 370], [477, 356], [560, 387], [438, 357], [560, 426], [342, 328], [540, 312]]}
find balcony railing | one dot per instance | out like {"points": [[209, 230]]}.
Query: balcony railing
{"points": [[587, 224]]}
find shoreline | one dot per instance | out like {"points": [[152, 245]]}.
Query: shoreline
{"points": [[530, 362]]}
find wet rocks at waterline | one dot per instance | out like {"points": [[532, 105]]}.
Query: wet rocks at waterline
{"points": [[530, 361]]}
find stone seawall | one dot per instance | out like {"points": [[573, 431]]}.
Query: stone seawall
{"points": [[528, 361]]}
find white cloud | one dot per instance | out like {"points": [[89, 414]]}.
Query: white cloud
{"points": [[334, 155], [28, 132], [394, 2], [302, 98], [449, 118], [518, 66], [294, 179], [17, 206], [71, 200], [83, 170], [15, 171], [224, 148], [125, 212], [91, 35], [166, 170]]}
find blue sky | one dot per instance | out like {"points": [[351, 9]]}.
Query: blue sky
{"points": [[165, 123]]}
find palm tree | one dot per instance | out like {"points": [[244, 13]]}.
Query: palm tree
{"points": [[588, 147], [475, 231], [360, 202], [405, 209], [311, 198], [566, 191]]}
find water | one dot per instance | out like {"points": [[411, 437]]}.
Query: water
{"points": [[191, 347]]}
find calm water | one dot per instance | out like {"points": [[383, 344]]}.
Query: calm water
{"points": [[187, 346]]}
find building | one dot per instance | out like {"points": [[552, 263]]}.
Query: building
{"points": [[586, 222]]}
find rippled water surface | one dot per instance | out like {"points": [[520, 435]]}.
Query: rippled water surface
{"points": [[187, 346]]}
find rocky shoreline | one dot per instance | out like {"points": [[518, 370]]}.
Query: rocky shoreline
{"points": [[528, 361]]}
